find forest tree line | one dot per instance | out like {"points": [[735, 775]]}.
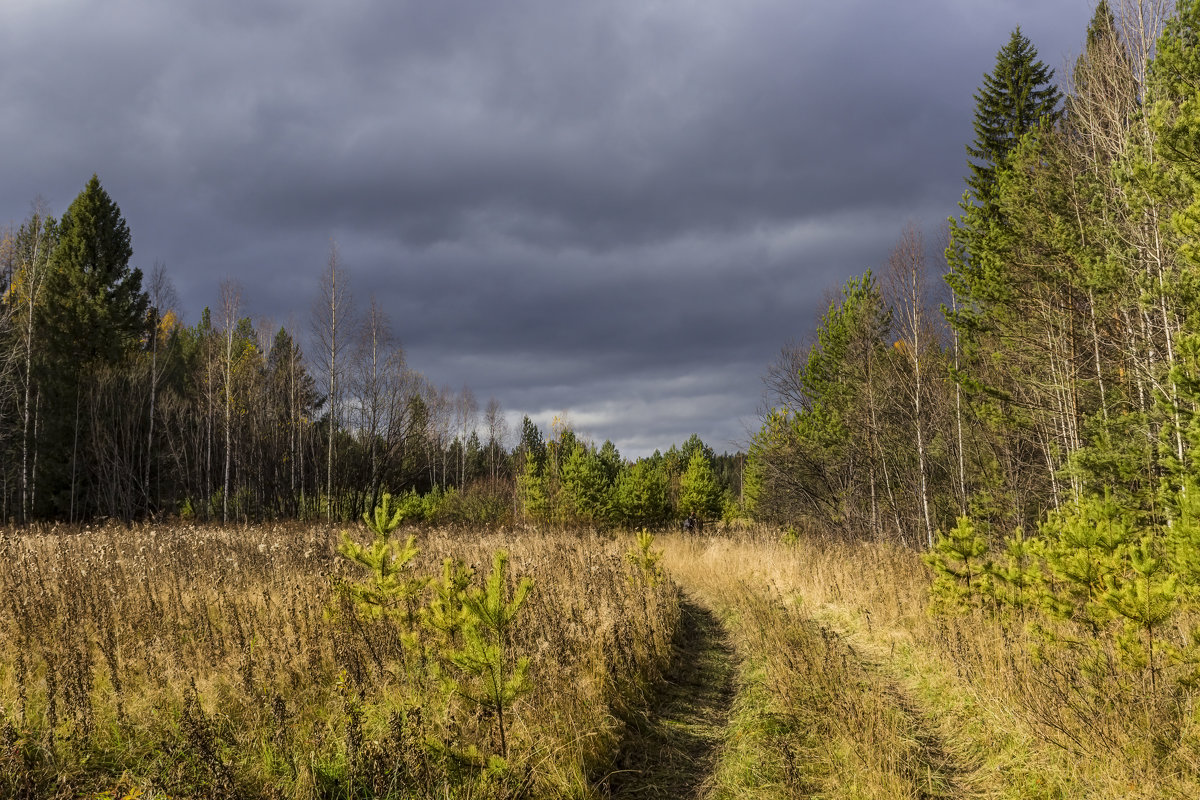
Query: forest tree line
{"points": [[1059, 359], [112, 407], [1038, 435]]}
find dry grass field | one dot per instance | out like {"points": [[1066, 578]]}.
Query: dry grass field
{"points": [[188, 662], [180, 661], [850, 687]]}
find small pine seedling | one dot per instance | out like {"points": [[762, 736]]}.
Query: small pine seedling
{"points": [[491, 680]]}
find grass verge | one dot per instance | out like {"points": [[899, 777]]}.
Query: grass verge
{"points": [[967, 699]]}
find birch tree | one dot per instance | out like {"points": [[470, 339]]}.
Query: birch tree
{"points": [[332, 324], [907, 281], [231, 304], [497, 432], [163, 302], [370, 392], [31, 248]]}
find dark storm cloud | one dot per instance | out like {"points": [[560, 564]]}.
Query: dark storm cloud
{"points": [[619, 209]]}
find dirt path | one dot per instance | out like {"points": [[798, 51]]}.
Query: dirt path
{"points": [[670, 750], [932, 770]]}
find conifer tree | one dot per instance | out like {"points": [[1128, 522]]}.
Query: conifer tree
{"points": [[1144, 596], [699, 493], [820, 454], [492, 676], [392, 588], [1085, 545], [1014, 98], [96, 318], [586, 485], [641, 493], [959, 562], [100, 311], [1174, 116]]}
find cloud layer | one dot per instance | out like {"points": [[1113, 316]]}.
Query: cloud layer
{"points": [[618, 209]]}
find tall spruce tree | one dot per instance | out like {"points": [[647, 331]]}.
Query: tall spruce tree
{"points": [[99, 308], [1014, 98], [988, 316], [95, 316]]}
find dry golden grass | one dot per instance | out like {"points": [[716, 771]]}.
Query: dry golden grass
{"points": [[187, 661], [209, 662], [851, 687]]}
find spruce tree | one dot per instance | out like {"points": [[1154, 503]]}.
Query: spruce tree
{"points": [[988, 288], [99, 313], [94, 319], [1014, 98]]}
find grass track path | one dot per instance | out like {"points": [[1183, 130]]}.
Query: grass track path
{"points": [[940, 775], [671, 749]]}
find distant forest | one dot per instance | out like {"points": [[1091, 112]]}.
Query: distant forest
{"points": [[112, 407], [1055, 364]]}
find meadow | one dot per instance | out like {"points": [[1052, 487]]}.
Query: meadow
{"points": [[189, 661], [182, 661]]}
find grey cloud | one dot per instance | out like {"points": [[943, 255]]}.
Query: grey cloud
{"points": [[565, 205]]}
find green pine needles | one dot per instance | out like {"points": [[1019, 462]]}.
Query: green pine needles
{"points": [[391, 588], [385, 519], [1096, 579], [464, 633], [447, 612], [959, 567], [645, 558], [490, 678]]}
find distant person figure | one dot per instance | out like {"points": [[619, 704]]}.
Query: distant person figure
{"points": [[689, 524]]}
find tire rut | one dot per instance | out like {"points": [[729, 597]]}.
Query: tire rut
{"points": [[670, 749], [938, 775]]}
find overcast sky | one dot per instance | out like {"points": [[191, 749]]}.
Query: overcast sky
{"points": [[621, 209]]}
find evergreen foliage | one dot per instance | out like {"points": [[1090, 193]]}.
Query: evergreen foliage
{"points": [[117, 408], [586, 486], [960, 568], [1015, 97], [645, 558], [385, 519], [809, 458], [699, 494], [447, 612], [99, 309], [90, 319], [490, 678], [391, 589], [641, 494]]}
